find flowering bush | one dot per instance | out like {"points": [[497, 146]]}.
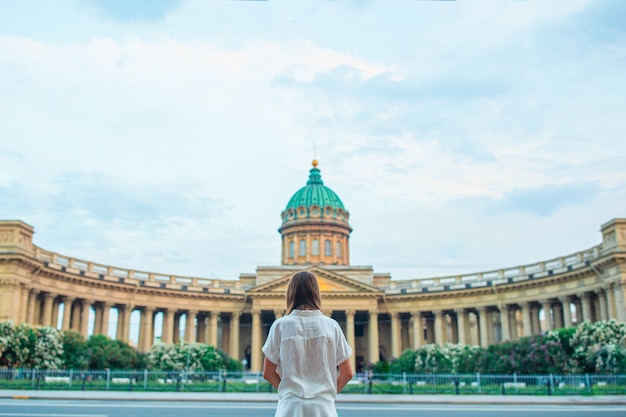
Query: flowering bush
{"points": [[48, 349], [25, 346], [599, 347], [192, 356], [437, 359]]}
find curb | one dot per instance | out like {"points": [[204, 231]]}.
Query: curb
{"points": [[341, 399]]}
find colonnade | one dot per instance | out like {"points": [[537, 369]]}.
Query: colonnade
{"points": [[43, 308], [374, 334]]}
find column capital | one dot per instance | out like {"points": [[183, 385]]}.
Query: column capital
{"points": [[49, 295], [106, 303], [416, 314], [373, 312], [68, 298], [149, 309], [350, 312], [459, 311], [482, 309], [583, 295], [254, 312], [394, 314], [88, 301], [565, 298], [193, 312], [236, 313]]}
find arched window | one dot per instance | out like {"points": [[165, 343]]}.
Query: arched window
{"points": [[315, 247], [338, 249], [327, 248], [292, 248], [302, 247]]}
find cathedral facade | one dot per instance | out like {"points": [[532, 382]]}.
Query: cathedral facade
{"points": [[379, 316]]}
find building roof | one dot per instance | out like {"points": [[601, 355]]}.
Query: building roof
{"points": [[315, 193]]}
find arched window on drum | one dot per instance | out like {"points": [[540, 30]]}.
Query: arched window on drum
{"points": [[327, 248]]}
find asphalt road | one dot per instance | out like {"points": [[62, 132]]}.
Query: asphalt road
{"points": [[62, 408]]}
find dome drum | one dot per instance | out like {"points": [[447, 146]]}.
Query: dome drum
{"points": [[315, 228]]}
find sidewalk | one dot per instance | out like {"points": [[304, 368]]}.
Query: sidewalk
{"points": [[345, 398]]}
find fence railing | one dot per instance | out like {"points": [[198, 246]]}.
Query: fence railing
{"points": [[362, 383]]}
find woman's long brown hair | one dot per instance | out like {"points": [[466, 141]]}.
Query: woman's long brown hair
{"points": [[303, 292]]}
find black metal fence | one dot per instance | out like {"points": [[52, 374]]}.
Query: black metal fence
{"points": [[363, 383]]}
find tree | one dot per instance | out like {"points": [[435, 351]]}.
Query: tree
{"points": [[75, 353]]}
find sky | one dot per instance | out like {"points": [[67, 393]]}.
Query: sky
{"points": [[168, 135]]}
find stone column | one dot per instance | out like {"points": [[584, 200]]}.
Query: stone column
{"points": [[482, 324], [491, 334], [202, 337], [461, 328], [147, 321], [47, 310], [586, 307], [167, 334], [97, 325], [23, 305], [610, 295], [372, 333], [602, 305], [32, 304], [438, 327], [54, 318], [278, 314], [619, 302], [558, 316], [84, 318], [233, 344], [124, 326], [176, 327], [76, 312], [67, 313], [395, 334], [190, 326], [504, 320], [213, 329], [547, 314], [106, 313], [418, 329], [527, 319], [351, 337], [472, 320], [256, 365], [567, 311], [534, 310]]}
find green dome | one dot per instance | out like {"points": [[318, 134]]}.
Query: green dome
{"points": [[315, 193]]}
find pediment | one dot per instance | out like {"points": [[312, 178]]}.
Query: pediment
{"points": [[329, 282]]}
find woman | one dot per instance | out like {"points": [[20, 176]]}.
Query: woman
{"points": [[303, 351]]}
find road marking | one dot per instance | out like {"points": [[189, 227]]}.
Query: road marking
{"points": [[54, 415], [364, 407]]}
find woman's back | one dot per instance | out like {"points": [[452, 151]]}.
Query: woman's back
{"points": [[307, 347]]}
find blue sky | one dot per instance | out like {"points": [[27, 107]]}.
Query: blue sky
{"points": [[168, 135]]}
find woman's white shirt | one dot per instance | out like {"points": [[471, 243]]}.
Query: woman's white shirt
{"points": [[306, 348]]}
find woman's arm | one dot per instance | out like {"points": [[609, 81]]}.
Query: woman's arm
{"points": [[269, 373], [345, 374]]}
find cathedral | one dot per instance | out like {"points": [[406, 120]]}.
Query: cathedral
{"points": [[380, 316]]}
